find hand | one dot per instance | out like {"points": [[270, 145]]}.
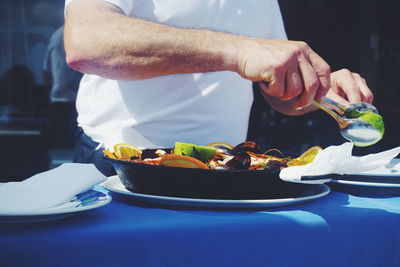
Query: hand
{"points": [[349, 87], [292, 69]]}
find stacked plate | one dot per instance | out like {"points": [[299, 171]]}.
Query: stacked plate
{"points": [[82, 202], [382, 181]]}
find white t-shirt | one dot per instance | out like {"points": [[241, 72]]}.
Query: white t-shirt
{"points": [[199, 108]]}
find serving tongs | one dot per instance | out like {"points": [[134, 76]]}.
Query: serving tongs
{"points": [[351, 128], [341, 112], [350, 109]]}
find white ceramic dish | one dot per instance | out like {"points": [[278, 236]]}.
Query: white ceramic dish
{"points": [[365, 188], [313, 192], [387, 175], [89, 200], [384, 181]]}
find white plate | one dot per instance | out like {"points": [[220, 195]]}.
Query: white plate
{"points": [[114, 184], [382, 181], [365, 188], [385, 175], [366, 184], [89, 200]]}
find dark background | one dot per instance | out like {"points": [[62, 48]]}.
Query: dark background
{"points": [[360, 35]]}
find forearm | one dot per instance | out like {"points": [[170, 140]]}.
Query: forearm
{"points": [[109, 44]]}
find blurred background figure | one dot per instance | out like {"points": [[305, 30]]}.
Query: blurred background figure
{"points": [[25, 28], [59, 132], [17, 87]]}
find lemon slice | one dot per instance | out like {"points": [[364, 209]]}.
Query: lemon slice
{"points": [[172, 160], [126, 151], [203, 153], [109, 154], [309, 155]]}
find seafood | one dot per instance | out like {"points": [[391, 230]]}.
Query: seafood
{"points": [[222, 156]]}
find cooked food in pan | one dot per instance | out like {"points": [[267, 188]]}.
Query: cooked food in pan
{"points": [[219, 156]]}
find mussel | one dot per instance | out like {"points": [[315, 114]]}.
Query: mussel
{"points": [[241, 161], [153, 153], [246, 146], [276, 165]]}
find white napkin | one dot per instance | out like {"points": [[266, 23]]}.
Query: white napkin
{"points": [[49, 189], [338, 160]]}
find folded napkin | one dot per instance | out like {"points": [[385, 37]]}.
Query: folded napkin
{"points": [[49, 189], [338, 160]]}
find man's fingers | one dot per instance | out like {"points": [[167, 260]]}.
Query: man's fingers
{"points": [[294, 85], [264, 86], [366, 94], [276, 84], [337, 98], [344, 82], [311, 84], [323, 71]]}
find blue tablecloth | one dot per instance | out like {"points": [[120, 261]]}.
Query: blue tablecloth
{"points": [[337, 230]]}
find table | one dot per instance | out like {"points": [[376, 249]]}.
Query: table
{"points": [[337, 230]]}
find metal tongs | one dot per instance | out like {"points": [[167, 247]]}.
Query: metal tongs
{"points": [[349, 110], [350, 126], [343, 114]]}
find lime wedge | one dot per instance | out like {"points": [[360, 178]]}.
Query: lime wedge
{"points": [[375, 133], [374, 119], [203, 153]]}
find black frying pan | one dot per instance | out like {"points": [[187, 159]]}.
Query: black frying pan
{"points": [[200, 183]]}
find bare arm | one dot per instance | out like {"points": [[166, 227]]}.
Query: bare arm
{"points": [[100, 40], [105, 42]]}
